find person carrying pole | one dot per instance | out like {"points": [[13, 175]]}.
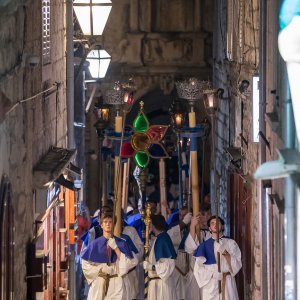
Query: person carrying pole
{"points": [[104, 263], [206, 270], [161, 263]]}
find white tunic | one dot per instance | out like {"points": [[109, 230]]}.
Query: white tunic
{"points": [[97, 284], [192, 290], [176, 237], [204, 273], [163, 288], [134, 280]]}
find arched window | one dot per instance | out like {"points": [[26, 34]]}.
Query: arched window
{"points": [[6, 240]]}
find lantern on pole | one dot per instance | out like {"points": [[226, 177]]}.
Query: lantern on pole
{"points": [[177, 113], [102, 112], [211, 101], [191, 90]]}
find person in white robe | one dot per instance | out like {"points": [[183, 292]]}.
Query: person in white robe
{"points": [[161, 263], [134, 279], [178, 231], [206, 268], [104, 263], [192, 290]]}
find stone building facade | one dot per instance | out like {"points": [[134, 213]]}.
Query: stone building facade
{"points": [[245, 46], [32, 60]]}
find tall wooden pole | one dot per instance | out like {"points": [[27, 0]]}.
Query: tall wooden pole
{"points": [[118, 179], [180, 181], [194, 165], [125, 184], [203, 168], [216, 199], [104, 181], [162, 185]]}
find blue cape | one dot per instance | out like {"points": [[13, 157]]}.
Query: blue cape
{"points": [[163, 247], [140, 226], [130, 243], [173, 219], [97, 251], [98, 232], [94, 222], [206, 249], [184, 237], [133, 218]]}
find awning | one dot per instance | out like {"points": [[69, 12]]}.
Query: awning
{"points": [[51, 166]]}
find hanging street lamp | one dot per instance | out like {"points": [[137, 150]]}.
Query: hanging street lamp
{"points": [[92, 15], [99, 61]]}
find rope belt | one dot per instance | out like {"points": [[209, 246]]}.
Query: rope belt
{"points": [[182, 273], [154, 278], [223, 283], [106, 278], [130, 271]]}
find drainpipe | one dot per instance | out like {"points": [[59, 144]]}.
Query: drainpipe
{"points": [[262, 197], [70, 124], [290, 261], [70, 73]]}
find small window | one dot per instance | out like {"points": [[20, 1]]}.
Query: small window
{"points": [[235, 30], [46, 51]]}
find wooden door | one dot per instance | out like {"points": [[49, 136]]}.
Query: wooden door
{"points": [[240, 203], [6, 240]]}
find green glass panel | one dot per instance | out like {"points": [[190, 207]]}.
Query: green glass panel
{"points": [[142, 159], [140, 124]]}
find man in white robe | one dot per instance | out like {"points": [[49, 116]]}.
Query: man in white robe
{"points": [[206, 268], [134, 280], [104, 263], [192, 290], [161, 263], [178, 232]]}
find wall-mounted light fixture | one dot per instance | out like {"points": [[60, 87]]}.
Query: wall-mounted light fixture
{"points": [[255, 109], [243, 86], [235, 156]]}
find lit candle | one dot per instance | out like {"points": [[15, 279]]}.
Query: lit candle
{"points": [[118, 124], [211, 100], [178, 120], [192, 119], [126, 97], [105, 113]]}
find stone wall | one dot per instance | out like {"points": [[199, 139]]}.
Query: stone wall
{"points": [[33, 126], [236, 58]]}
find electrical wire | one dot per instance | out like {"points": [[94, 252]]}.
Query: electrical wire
{"points": [[54, 86]]}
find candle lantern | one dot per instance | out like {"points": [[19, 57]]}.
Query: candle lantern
{"points": [[177, 114], [211, 100]]}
